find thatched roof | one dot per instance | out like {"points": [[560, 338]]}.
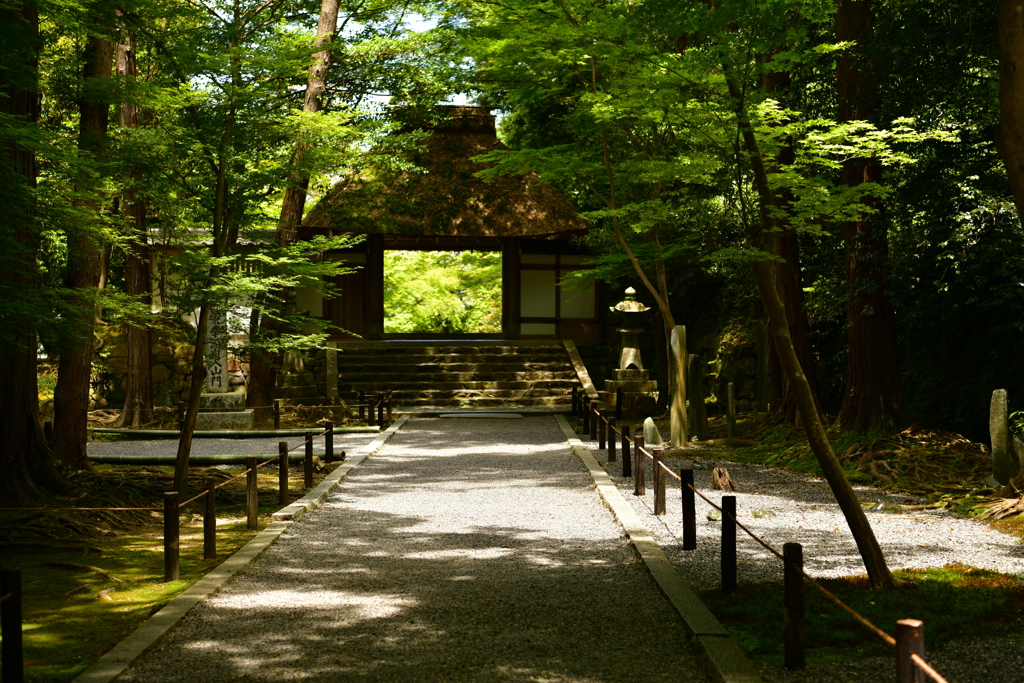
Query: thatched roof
{"points": [[448, 200]]}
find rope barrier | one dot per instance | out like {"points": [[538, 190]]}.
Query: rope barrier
{"points": [[6, 596], [78, 509], [924, 666], [921, 663]]}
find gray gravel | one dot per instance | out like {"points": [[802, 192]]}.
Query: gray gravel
{"points": [[206, 446], [804, 510], [466, 550]]}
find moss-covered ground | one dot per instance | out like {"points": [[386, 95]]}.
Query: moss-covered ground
{"points": [[90, 578]]}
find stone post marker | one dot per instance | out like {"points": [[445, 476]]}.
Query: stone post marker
{"points": [[216, 353], [332, 370], [677, 434], [1006, 451], [652, 437]]}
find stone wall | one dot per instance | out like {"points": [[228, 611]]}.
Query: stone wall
{"points": [[172, 358]]}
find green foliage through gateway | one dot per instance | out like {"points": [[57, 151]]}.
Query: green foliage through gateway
{"points": [[442, 292]]}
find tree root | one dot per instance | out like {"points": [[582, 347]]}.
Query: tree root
{"points": [[102, 572]]}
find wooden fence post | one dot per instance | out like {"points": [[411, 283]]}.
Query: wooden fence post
{"points": [[282, 472], [594, 419], [659, 481], [371, 412], [210, 521], [640, 478], [307, 462], [380, 410], [793, 622], [728, 544], [13, 669], [329, 441], [909, 640], [689, 509], [611, 439], [277, 413], [172, 571], [389, 401], [602, 430], [252, 501], [586, 415], [627, 461]]}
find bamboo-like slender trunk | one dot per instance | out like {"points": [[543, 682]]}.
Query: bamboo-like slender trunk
{"points": [[860, 527]]}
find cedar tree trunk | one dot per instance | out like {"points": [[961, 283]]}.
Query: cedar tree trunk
{"points": [[138, 400], [1010, 139], [26, 472], [71, 396], [872, 400]]}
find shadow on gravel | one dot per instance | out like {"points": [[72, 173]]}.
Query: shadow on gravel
{"points": [[432, 565], [388, 604]]}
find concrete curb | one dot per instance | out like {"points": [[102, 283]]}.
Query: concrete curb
{"points": [[113, 663], [724, 662]]}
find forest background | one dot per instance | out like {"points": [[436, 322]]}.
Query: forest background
{"points": [[859, 157]]}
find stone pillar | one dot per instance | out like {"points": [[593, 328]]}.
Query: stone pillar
{"points": [[1006, 451], [216, 353], [678, 436], [332, 370]]}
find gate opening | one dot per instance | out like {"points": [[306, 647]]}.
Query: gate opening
{"points": [[442, 292]]}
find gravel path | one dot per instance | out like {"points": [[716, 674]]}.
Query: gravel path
{"points": [[466, 550], [800, 507], [207, 446]]}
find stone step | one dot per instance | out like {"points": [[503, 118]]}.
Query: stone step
{"points": [[453, 350], [399, 377], [488, 368], [347, 386], [484, 402], [401, 396]]}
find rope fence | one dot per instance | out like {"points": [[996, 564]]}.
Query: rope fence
{"points": [[909, 640], [172, 506]]}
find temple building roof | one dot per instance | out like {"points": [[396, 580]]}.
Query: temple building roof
{"points": [[448, 199]]}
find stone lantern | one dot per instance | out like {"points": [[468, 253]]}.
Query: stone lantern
{"points": [[630, 375]]}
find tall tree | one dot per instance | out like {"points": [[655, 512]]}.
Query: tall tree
{"points": [[138, 401], [263, 363], [872, 399], [71, 396], [26, 472], [1010, 138]]}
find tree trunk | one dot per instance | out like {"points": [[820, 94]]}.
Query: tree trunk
{"points": [[860, 528], [71, 396], [26, 473], [263, 365], [788, 277], [1010, 138], [138, 400], [872, 400]]}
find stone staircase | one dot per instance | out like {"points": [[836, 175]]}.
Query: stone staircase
{"points": [[447, 374]]}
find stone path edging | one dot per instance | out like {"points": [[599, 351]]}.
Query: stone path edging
{"points": [[109, 666], [724, 661]]}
